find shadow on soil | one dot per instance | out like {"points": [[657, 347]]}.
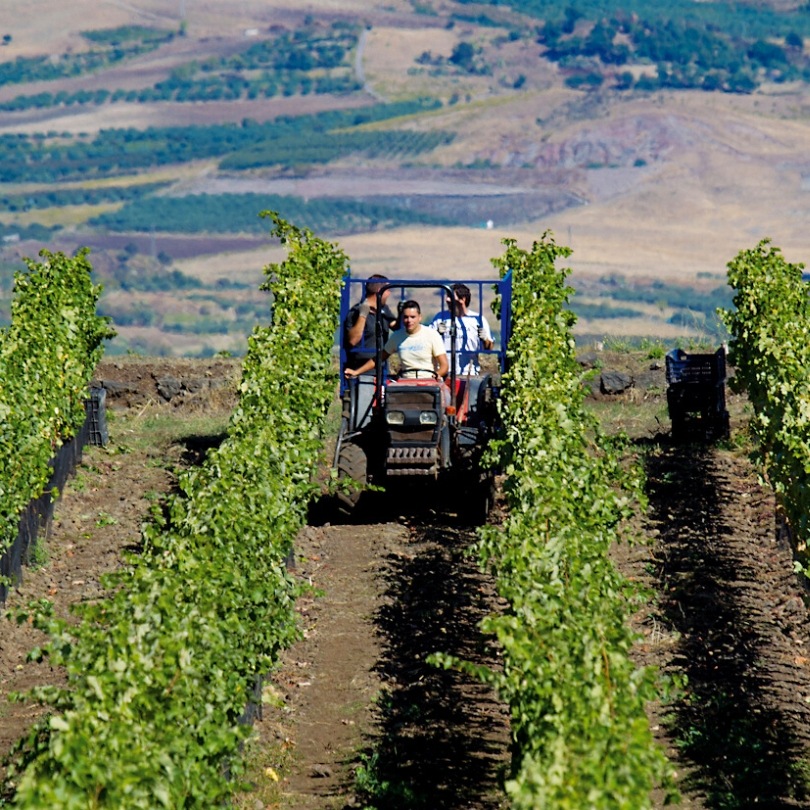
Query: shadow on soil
{"points": [[196, 448], [742, 754], [443, 739]]}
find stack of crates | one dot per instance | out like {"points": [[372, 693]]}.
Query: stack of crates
{"points": [[696, 395], [95, 408]]}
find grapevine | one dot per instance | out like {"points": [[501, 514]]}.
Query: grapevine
{"points": [[770, 351], [577, 701], [161, 671], [47, 357]]}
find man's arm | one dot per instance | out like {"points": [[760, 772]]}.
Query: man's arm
{"points": [[354, 334], [442, 366], [392, 318], [485, 334], [367, 366], [439, 354], [440, 322]]}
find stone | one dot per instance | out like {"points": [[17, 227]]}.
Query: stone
{"points": [[168, 387], [588, 359], [614, 382]]}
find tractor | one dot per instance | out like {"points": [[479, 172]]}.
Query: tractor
{"points": [[408, 437]]}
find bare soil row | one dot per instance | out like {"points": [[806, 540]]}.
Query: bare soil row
{"points": [[361, 710]]}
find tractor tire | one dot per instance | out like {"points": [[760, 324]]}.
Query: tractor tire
{"points": [[352, 465], [485, 498], [679, 433], [477, 493]]}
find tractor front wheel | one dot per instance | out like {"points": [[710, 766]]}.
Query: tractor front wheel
{"points": [[352, 473]]}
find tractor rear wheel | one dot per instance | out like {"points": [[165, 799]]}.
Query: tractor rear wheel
{"points": [[352, 468], [484, 498], [475, 490]]}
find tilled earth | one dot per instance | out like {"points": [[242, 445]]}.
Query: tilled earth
{"points": [[358, 691], [730, 617], [355, 715]]}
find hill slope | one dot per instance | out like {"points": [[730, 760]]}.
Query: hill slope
{"points": [[660, 186]]}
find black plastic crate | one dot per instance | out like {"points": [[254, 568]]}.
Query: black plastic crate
{"points": [[696, 395], [683, 367], [96, 410]]}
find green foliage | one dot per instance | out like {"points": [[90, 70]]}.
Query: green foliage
{"points": [[48, 354], [308, 59], [581, 735], [592, 311], [114, 37], [770, 349], [327, 146], [698, 307], [33, 232], [116, 46], [711, 46], [77, 196], [463, 56], [234, 213], [119, 151], [161, 670]]}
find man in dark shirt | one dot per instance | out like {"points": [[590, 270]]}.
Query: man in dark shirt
{"points": [[361, 323]]}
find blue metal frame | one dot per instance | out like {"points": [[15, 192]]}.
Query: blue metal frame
{"points": [[353, 291]]}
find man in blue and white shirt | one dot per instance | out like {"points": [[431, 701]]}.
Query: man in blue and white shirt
{"points": [[472, 330]]}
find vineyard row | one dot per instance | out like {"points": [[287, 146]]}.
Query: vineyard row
{"points": [[48, 354], [581, 737], [770, 350], [159, 673]]}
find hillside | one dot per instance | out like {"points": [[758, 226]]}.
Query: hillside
{"points": [[647, 187]]}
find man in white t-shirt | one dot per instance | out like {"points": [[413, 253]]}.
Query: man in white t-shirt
{"points": [[472, 330], [421, 350]]}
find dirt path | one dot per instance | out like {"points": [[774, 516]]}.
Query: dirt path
{"points": [[358, 690], [729, 615]]}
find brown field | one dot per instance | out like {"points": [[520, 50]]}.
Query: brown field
{"points": [[663, 186]]}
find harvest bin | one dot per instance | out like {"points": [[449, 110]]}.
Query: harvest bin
{"points": [[696, 395], [95, 408]]}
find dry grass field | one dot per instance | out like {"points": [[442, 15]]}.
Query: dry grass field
{"points": [[667, 186]]}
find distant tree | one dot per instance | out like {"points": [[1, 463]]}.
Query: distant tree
{"points": [[624, 81], [712, 81], [571, 17], [794, 40], [767, 54], [742, 82], [550, 33], [463, 55]]}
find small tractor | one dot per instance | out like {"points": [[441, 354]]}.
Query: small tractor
{"points": [[400, 435], [696, 395]]}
